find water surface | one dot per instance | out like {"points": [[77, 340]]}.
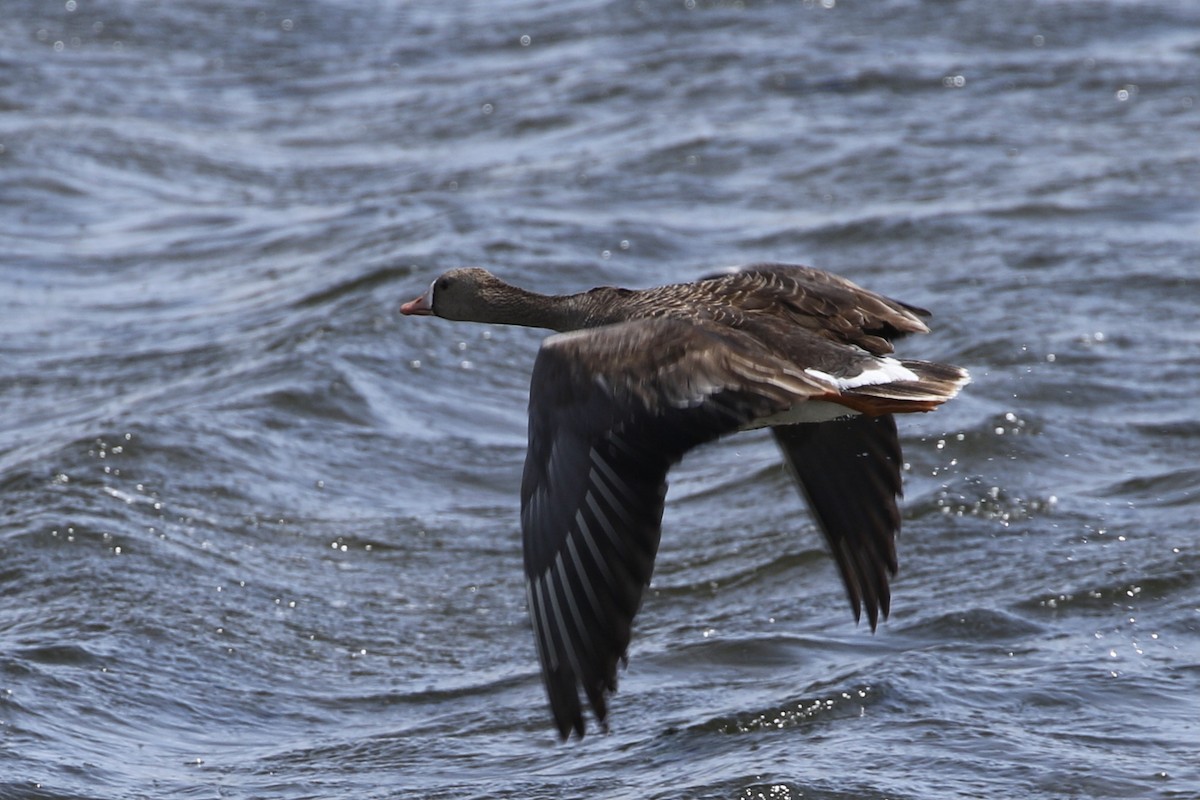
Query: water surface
{"points": [[260, 533]]}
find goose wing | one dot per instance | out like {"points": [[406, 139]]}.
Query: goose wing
{"points": [[610, 410], [849, 471], [818, 301]]}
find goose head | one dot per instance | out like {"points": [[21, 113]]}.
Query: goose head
{"points": [[468, 294], [471, 294]]}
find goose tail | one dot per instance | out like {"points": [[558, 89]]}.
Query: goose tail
{"points": [[934, 384]]}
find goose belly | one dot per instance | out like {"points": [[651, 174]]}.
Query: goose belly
{"points": [[808, 411]]}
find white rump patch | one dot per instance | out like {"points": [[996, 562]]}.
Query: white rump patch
{"points": [[883, 370]]}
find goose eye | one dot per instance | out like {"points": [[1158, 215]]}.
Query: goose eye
{"points": [[445, 283]]}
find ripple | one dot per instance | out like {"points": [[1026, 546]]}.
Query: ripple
{"points": [[58, 655], [1180, 487], [975, 625], [807, 712]]}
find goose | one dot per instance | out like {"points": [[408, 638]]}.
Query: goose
{"points": [[633, 379]]}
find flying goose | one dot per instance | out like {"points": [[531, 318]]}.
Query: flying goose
{"points": [[635, 378]]}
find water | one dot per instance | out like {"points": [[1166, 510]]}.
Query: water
{"points": [[259, 534]]}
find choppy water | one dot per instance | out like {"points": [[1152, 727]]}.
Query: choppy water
{"points": [[259, 534]]}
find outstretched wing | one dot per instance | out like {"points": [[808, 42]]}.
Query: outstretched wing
{"points": [[610, 410], [849, 470]]}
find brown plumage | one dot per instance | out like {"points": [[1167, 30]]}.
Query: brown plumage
{"points": [[636, 378]]}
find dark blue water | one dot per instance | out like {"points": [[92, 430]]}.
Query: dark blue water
{"points": [[259, 534]]}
